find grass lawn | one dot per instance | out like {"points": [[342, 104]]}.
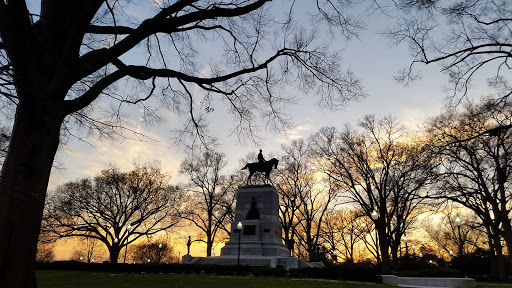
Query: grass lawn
{"points": [[76, 279], [493, 285]]}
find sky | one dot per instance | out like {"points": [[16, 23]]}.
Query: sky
{"points": [[371, 57]]}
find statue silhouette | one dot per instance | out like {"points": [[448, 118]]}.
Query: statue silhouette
{"points": [[189, 242], [264, 167], [253, 213], [260, 157]]}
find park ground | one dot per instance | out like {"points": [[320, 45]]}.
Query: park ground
{"points": [[79, 279]]}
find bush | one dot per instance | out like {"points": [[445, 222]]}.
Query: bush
{"points": [[274, 272], [147, 268], [346, 271]]}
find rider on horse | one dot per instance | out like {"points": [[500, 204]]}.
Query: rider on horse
{"points": [[260, 157], [261, 166]]}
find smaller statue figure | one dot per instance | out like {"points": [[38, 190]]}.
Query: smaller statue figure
{"points": [[260, 157], [253, 213], [189, 242]]}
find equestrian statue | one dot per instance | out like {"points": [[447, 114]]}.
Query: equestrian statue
{"points": [[261, 166]]}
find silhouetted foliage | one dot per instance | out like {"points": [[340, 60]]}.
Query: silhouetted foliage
{"points": [[474, 150], [153, 253], [210, 195], [62, 75], [87, 250], [45, 253], [306, 196], [116, 208], [380, 169], [468, 39], [343, 230]]}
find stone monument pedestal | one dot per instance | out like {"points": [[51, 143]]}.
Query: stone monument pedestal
{"points": [[260, 242], [257, 209]]}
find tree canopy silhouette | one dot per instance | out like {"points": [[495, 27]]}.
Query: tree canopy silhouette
{"points": [[210, 195], [467, 38], [61, 64], [382, 170], [116, 208]]}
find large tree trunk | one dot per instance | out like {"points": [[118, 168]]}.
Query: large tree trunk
{"points": [[384, 250], [394, 252], [507, 235], [114, 253], [23, 185], [209, 245]]}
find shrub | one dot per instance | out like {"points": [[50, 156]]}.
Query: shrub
{"points": [[346, 271]]}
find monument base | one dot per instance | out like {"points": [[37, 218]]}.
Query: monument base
{"points": [[257, 209], [259, 242], [250, 260]]}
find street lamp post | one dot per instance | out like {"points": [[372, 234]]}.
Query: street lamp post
{"points": [[126, 247], [239, 226], [375, 217], [179, 256], [117, 252], [159, 253], [406, 248], [458, 223]]}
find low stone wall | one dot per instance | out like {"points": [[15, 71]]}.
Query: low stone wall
{"points": [[428, 282], [252, 260]]}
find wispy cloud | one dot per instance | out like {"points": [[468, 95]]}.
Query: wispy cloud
{"points": [[413, 118], [87, 161], [299, 131]]}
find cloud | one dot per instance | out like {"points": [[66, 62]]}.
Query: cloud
{"points": [[85, 161], [299, 131], [413, 118]]}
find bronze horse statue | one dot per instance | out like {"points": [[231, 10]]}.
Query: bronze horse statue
{"points": [[264, 167]]}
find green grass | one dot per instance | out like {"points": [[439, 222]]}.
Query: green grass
{"points": [[494, 285], [75, 279]]}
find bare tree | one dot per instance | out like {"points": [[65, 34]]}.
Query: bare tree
{"points": [[87, 250], [153, 252], [455, 238], [293, 178], [475, 154], [116, 208], [210, 195], [467, 38], [342, 232], [369, 237], [45, 253], [60, 60], [307, 197], [380, 170]]}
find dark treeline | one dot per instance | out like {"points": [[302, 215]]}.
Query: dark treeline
{"points": [[370, 192]]}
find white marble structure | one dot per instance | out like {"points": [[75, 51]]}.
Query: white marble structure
{"points": [[260, 240]]}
